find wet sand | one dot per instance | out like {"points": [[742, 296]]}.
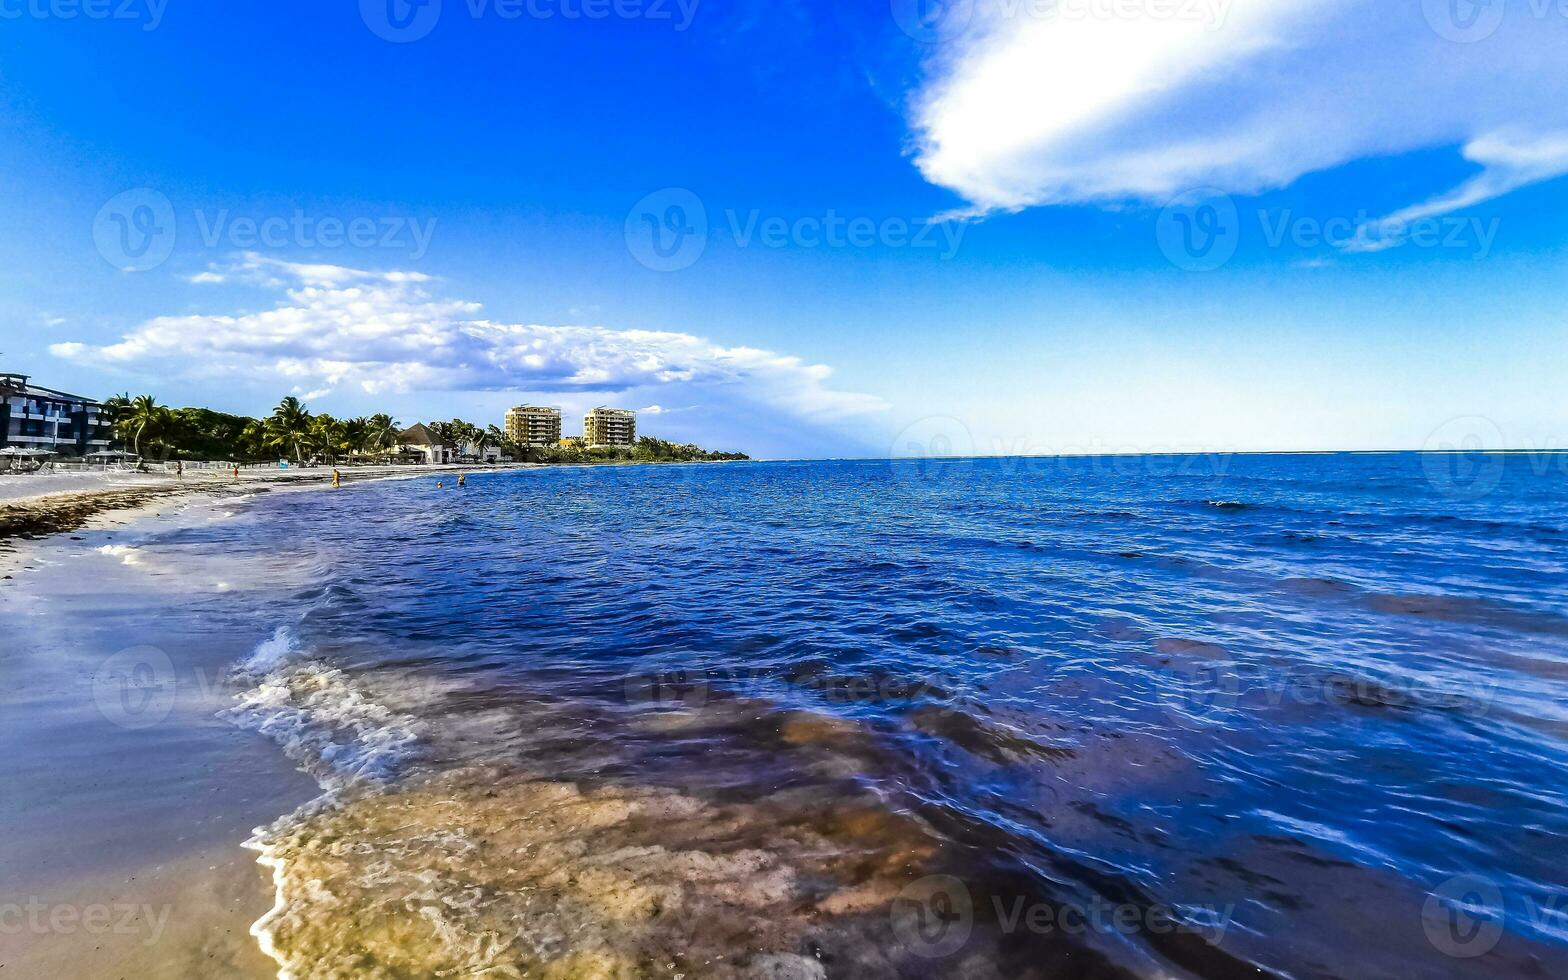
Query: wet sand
{"points": [[125, 803]]}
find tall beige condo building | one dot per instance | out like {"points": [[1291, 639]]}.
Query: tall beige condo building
{"points": [[610, 427], [534, 425]]}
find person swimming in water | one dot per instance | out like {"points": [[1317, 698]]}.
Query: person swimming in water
{"points": [[462, 479], [440, 485]]}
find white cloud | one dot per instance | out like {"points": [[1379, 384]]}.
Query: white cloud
{"points": [[388, 332], [1027, 109], [1508, 162]]}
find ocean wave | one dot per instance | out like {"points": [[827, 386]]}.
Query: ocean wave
{"points": [[328, 724], [486, 867], [127, 554], [1228, 504], [320, 717]]}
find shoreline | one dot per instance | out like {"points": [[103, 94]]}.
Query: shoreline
{"points": [[53, 511], [140, 817], [59, 510]]}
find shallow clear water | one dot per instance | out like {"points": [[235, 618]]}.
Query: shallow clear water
{"points": [[1219, 716]]}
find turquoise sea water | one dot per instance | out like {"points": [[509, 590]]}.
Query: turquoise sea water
{"points": [[1157, 716]]}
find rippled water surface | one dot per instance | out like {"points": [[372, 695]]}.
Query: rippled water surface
{"points": [[1296, 716]]}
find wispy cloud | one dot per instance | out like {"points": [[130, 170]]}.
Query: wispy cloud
{"points": [[1243, 96], [1508, 161], [334, 327]]}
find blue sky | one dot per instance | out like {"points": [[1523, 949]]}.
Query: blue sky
{"points": [[804, 229]]}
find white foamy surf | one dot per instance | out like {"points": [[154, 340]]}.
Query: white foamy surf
{"points": [[332, 728], [126, 554]]}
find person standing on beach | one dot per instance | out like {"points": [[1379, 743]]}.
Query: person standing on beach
{"points": [[336, 477], [179, 470]]}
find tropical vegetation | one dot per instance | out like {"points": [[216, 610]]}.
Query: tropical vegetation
{"points": [[292, 432]]}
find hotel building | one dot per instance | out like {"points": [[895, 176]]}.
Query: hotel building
{"points": [[534, 425], [610, 427], [32, 417]]}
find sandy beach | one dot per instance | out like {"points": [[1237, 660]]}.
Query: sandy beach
{"points": [[126, 808], [35, 505]]}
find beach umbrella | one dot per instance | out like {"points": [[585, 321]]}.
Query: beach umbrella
{"points": [[15, 451]]}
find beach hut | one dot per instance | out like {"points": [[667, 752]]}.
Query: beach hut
{"points": [[419, 443]]}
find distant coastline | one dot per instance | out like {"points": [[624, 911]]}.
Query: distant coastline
{"points": [[35, 506]]}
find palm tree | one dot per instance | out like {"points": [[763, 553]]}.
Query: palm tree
{"points": [[327, 437], [495, 437], [482, 438], [115, 407], [355, 431], [140, 416], [290, 427], [381, 434], [255, 438]]}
